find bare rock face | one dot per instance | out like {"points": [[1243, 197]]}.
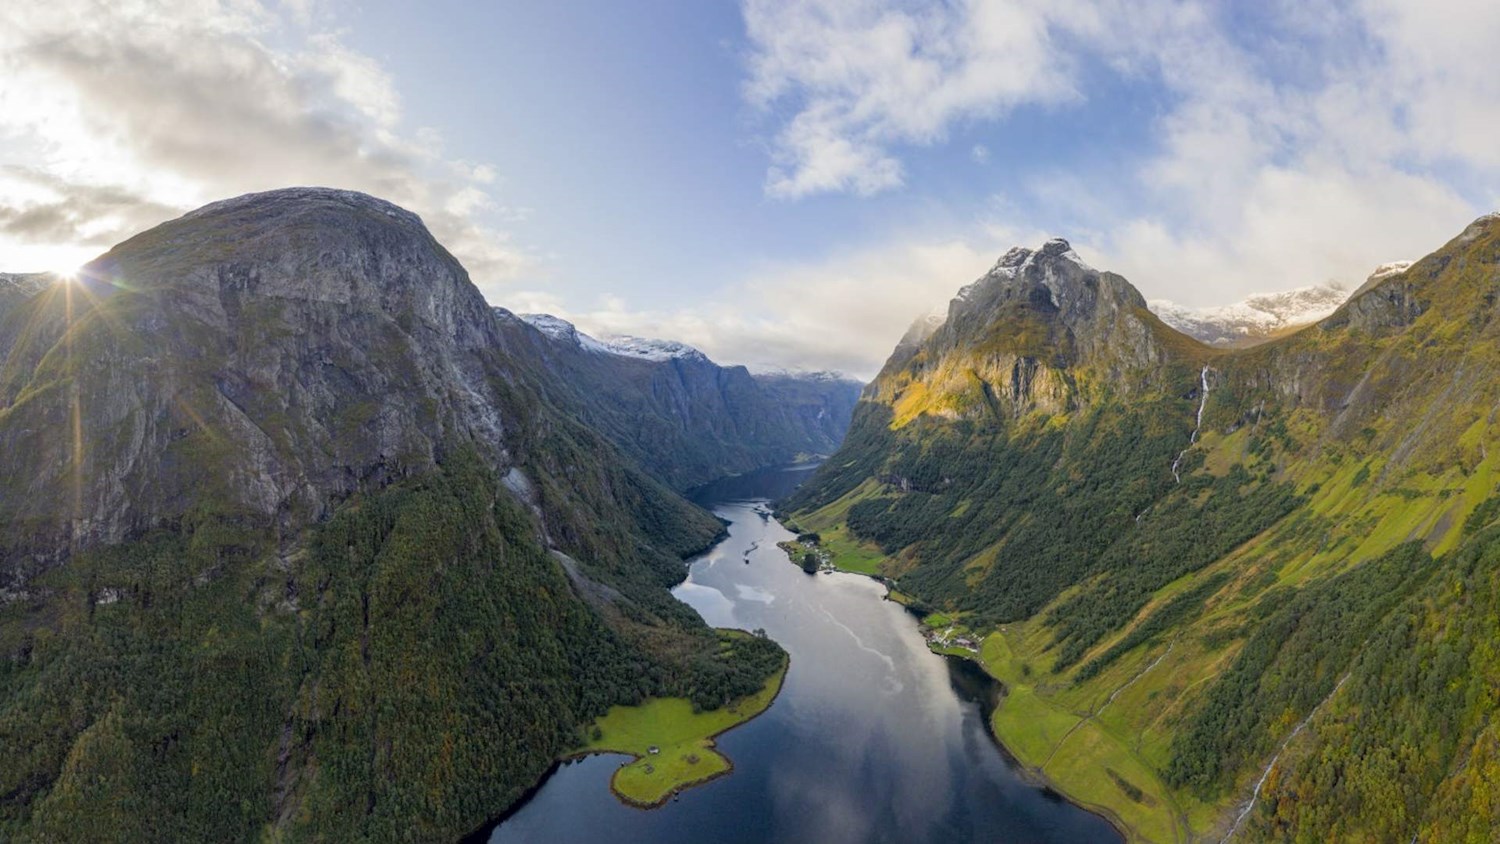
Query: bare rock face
{"points": [[1014, 341], [1078, 313], [261, 357]]}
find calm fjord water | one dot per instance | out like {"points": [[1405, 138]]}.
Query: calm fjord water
{"points": [[873, 737]]}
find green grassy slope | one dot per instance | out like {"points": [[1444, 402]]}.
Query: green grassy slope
{"points": [[681, 734], [1163, 639]]}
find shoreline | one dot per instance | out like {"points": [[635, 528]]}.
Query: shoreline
{"points": [[1032, 775], [779, 678]]}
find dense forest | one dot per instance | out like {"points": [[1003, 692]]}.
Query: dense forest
{"points": [[1409, 746], [335, 567], [405, 675], [1004, 521]]}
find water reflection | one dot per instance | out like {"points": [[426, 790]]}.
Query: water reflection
{"points": [[872, 739]]}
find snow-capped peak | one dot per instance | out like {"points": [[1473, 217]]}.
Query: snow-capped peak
{"points": [[1256, 318], [1389, 269], [620, 344], [820, 375], [554, 327], [1018, 259], [641, 347]]}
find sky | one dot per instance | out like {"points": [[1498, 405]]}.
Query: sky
{"points": [[782, 183]]}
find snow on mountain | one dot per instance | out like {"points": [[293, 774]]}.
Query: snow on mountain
{"points": [[1383, 272], [1257, 318], [623, 345], [1387, 270], [641, 347], [821, 375]]}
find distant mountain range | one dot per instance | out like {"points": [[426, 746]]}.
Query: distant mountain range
{"points": [[1265, 316], [683, 417]]}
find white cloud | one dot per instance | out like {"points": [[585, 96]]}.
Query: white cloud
{"points": [[120, 115], [1308, 145], [844, 312], [863, 75]]}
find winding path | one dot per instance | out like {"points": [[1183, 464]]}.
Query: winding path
{"points": [[1107, 701]]}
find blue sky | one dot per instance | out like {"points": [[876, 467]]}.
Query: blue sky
{"points": [[622, 131], [781, 182]]}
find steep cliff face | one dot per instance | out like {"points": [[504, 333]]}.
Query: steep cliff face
{"points": [[818, 404], [265, 356], [1205, 570], [294, 542], [684, 418]]}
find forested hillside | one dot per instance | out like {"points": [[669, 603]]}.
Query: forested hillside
{"points": [[1207, 576], [295, 547]]}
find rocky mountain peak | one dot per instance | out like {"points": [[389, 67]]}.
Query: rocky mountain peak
{"points": [[1051, 285], [332, 247], [1486, 224], [1013, 341], [622, 345], [1397, 293], [271, 353]]}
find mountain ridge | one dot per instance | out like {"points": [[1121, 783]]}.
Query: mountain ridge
{"points": [[1256, 318], [685, 418], [287, 513], [1207, 542]]}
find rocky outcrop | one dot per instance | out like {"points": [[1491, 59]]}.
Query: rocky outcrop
{"points": [[1014, 340], [1086, 314]]}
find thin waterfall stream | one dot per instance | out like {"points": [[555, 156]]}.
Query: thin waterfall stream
{"points": [[1255, 795], [1197, 425]]}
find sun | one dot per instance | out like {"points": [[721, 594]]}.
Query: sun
{"points": [[67, 275]]}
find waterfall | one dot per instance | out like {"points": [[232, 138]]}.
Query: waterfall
{"points": [[1197, 425], [1255, 795]]}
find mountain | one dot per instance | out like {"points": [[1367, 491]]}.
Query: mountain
{"points": [[296, 546], [1257, 318], [1229, 592], [682, 417]]}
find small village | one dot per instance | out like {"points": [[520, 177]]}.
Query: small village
{"points": [[951, 638], [807, 552]]}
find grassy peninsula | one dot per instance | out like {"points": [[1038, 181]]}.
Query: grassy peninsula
{"points": [[672, 741]]}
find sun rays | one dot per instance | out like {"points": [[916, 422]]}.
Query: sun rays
{"points": [[93, 307]]}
